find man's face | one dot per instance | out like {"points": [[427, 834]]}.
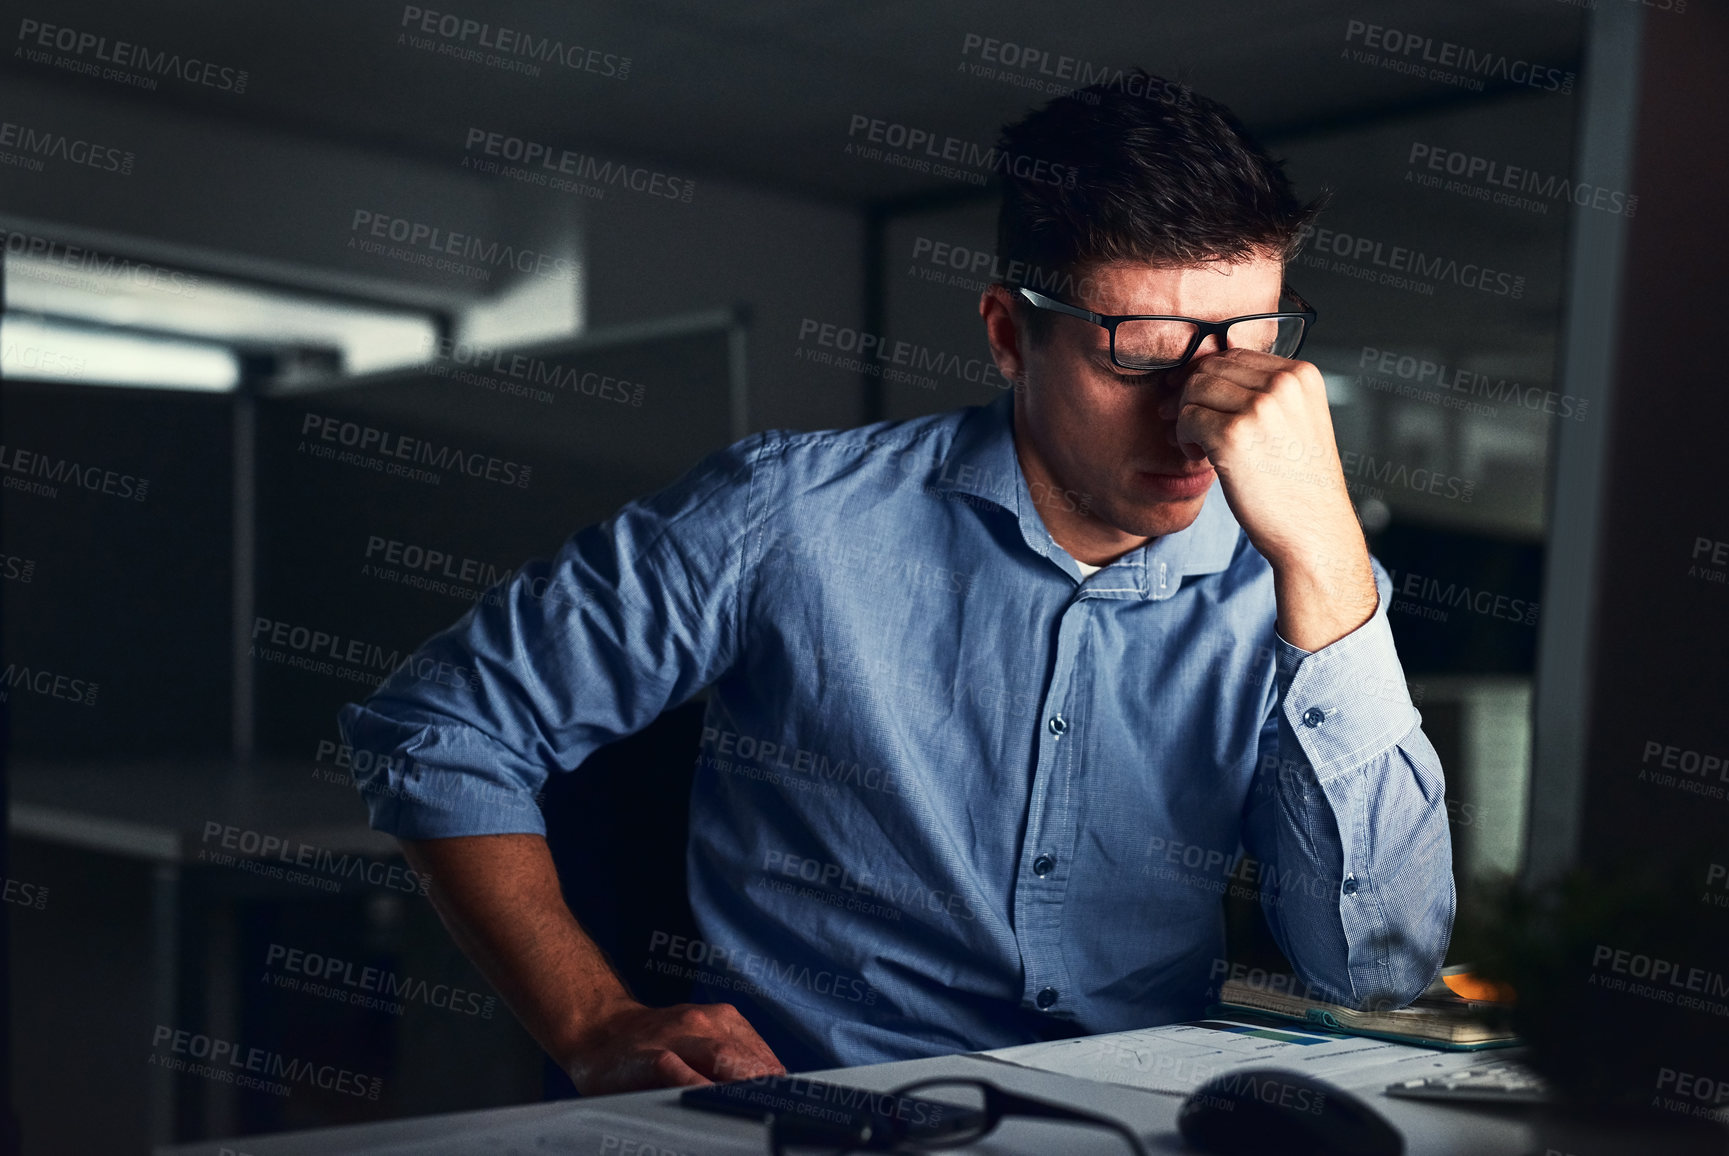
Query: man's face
{"points": [[1096, 427]]}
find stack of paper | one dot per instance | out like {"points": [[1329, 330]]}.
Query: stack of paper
{"points": [[1179, 1058]]}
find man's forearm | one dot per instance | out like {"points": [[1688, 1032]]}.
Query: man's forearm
{"points": [[499, 897], [1367, 923], [1326, 595], [1350, 810]]}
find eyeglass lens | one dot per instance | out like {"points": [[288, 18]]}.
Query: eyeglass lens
{"points": [[1159, 344]]}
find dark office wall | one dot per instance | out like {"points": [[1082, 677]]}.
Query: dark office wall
{"points": [[1662, 625], [348, 550], [1628, 964], [118, 582]]}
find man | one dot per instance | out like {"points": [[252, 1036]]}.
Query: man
{"points": [[998, 695]]}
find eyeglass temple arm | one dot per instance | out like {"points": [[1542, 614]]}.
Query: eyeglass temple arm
{"points": [[1302, 303], [1013, 1103], [799, 1129], [1042, 301]]}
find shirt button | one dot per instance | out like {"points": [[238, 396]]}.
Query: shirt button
{"points": [[1350, 887], [1313, 716], [1047, 998], [1059, 724], [1043, 866]]}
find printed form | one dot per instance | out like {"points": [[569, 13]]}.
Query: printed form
{"points": [[1179, 1058]]}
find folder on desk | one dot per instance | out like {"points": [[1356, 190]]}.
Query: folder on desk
{"points": [[1436, 1019]]}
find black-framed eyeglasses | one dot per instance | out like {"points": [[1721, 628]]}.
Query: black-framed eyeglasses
{"points": [[1156, 341], [946, 1113]]}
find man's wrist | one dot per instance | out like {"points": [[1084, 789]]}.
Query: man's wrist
{"points": [[594, 1023], [1324, 596]]}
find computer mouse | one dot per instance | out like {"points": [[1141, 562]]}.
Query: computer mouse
{"points": [[1258, 1110]]}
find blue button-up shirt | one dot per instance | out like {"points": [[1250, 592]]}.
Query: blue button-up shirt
{"points": [[951, 793]]}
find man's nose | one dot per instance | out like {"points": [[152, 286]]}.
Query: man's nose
{"points": [[1171, 382], [1170, 392]]}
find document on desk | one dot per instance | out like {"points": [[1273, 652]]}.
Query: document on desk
{"points": [[1179, 1058]]}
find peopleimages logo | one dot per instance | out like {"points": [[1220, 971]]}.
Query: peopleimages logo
{"points": [[1445, 61], [509, 49], [377, 988], [39, 40], [366, 439], [35, 144], [1675, 6], [1269, 1090], [978, 268], [228, 1062], [353, 769], [1663, 980], [873, 354], [1361, 468], [711, 963], [1496, 181], [264, 854], [432, 562], [721, 747], [863, 560], [904, 893], [1671, 757], [1387, 263], [88, 266], [22, 467], [325, 652], [1716, 885], [47, 684], [1210, 869], [440, 248], [1451, 379], [22, 894], [1694, 1095], [923, 150], [510, 372], [1715, 568], [39, 361], [1439, 598], [545, 164], [1040, 70]]}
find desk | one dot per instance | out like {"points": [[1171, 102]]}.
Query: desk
{"points": [[654, 1124]]}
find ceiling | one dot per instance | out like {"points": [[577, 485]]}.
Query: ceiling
{"points": [[764, 91]]}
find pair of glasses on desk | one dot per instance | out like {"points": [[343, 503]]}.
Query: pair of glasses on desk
{"points": [[928, 1115]]}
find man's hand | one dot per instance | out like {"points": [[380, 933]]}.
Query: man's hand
{"points": [[638, 1047], [499, 896], [1263, 423]]}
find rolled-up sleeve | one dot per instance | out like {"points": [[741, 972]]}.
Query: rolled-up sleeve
{"points": [[631, 616], [1348, 819]]}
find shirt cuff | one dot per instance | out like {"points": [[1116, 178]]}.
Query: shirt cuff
{"points": [[1347, 702], [434, 781]]}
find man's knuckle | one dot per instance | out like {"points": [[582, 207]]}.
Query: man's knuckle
{"points": [[717, 1014]]}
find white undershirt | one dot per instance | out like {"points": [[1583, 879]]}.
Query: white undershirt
{"points": [[1086, 570]]}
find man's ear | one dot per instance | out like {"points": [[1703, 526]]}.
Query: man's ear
{"points": [[1008, 338]]}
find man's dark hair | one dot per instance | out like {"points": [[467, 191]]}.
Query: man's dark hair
{"points": [[1166, 176]]}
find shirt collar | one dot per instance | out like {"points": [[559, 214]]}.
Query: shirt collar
{"points": [[982, 464]]}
